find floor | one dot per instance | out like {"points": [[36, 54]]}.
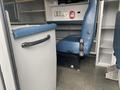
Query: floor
{"points": [[88, 78]]}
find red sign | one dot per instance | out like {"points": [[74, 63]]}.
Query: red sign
{"points": [[72, 14]]}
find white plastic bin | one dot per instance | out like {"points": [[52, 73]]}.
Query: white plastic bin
{"points": [[36, 64]]}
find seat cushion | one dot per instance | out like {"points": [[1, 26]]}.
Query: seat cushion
{"points": [[69, 44]]}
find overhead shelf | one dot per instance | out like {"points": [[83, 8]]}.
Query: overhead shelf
{"points": [[108, 27], [61, 5], [104, 60], [110, 0], [101, 64], [21, 9], [21, 1], [11, 2], [107, 44], [107, 51], [27, 23], [92, 52], [33, 11]]}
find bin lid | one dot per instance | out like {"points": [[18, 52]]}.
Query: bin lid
{"points": [[28, 30]]}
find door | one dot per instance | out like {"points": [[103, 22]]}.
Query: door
{"points": [[6, 54]]}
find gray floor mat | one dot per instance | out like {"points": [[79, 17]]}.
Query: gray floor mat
{"points": [[88, 78]]}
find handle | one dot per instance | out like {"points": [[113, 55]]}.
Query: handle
{"points": [[29, 44]]}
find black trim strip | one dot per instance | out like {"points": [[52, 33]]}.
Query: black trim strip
{"points": [[3, 81]]}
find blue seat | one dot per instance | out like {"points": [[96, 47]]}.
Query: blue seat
{"points": [[71, 44], [116, 42]]}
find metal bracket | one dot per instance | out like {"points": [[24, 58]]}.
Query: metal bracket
{"points": [[81, 47]]}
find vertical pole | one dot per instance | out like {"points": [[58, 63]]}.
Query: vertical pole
{"points": [[100, 19]]}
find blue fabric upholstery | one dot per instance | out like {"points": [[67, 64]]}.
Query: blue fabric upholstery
{"points": [[33, 29], [116, 42], [89, 26], [88, 32], [69, 44]]}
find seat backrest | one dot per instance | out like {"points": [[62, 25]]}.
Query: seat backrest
{"points": [[116, 42], [89, 26]]}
